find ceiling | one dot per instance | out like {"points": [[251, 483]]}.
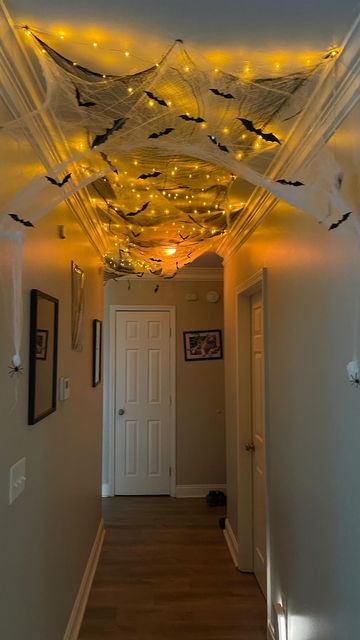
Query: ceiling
{"points": [[258, 40], [228, 33]]}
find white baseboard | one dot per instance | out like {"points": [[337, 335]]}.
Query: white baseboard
{"points": [[231, 542], [197, 490], [77, 614], [270, 632], [105, 490]]}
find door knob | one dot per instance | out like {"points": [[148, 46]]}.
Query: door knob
{"points": [[121, 412], [250, 446]]}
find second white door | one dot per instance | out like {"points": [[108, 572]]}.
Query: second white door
{"points": [[142, 438], [257, 388]]}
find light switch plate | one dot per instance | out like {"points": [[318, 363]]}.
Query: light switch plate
{"points": [[17, 479]]}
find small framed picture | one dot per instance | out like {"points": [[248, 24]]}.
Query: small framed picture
{"points": [[97, 335], [203, 345], [41, 344]]}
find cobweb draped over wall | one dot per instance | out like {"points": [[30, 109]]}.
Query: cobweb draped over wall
{"points": [[146, 161]]}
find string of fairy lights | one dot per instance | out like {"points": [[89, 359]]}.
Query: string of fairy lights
{"points": [[157, 229], [247, 66]]}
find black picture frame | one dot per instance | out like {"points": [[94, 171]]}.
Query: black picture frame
{"points": [[205, 344], [97, 352], [44, 320]]}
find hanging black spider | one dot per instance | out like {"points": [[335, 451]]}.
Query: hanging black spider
{"points": [[355, 380], [13, 370]]}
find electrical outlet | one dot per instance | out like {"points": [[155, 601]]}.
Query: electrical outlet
{"points": [[17, 479], [64, 388]]}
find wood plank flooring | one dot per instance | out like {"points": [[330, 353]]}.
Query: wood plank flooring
{"points": [[165, 573]]}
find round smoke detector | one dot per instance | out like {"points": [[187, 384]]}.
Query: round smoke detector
{"points": [[212, 296]]}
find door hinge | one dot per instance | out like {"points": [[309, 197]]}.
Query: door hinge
{"points": [[170, 471], [170, 400], [170, 332]]}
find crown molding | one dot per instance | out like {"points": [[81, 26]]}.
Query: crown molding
{"points": [[334, 98]]}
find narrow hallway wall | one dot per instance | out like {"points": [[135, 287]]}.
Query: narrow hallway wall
{"points": [[313, 283], [46, 535]]}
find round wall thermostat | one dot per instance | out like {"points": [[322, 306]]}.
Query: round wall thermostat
{"points": [[212, 296]]}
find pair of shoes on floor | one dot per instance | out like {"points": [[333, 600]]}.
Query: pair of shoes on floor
{"points": [[216, 499]]}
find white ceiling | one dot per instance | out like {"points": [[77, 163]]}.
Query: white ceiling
{"points": [[225, 31]]}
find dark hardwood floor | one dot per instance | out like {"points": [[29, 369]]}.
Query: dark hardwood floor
{"points": [[165, 573]]}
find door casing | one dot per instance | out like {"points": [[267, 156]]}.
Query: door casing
{"points": [[255, 284], [111, 395]]}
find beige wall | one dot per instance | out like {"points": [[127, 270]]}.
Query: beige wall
{"points": [[199, 385], [47, 533], [313, 412]]}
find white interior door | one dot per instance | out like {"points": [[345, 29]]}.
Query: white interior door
{"points": [[142, 373], [258, 474]]}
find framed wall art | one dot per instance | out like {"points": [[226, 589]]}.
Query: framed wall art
{"points": [[97, 352], [203, 345], [44, 311]]}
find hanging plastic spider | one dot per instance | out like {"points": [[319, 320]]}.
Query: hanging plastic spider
{"points": [[355, 380], [15, 370]]}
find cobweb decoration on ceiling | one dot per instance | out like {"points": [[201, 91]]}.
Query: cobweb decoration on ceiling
{"points": [[156, 154]]}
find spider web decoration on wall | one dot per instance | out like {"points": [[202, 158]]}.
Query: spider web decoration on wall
{"points": [[155, 154]]}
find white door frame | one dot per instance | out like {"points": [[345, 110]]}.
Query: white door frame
{"points": [[256, 284], [114, 308]]}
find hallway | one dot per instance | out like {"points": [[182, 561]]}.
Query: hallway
{"points": [[165, 572]]}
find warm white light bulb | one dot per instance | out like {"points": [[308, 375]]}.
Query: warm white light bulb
{"points": [[170, 251]]}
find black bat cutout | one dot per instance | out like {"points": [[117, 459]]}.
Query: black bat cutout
{"points": [[170, 277], [191, 118], [227, 96], [297, 183], [337, 224], [268, 137], [195, 221], [156, 289], [155, 259], [183, 237], [152, 96], [222, 147], [145, 176], [26, 223], [140, 275], [80, 102], [59, 183], [105, 157], [177, 266], [134, 213], [158, 272], [136, 235], [102, 137], [165, 132]]}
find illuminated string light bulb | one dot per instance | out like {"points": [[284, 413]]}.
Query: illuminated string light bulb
{"points": [[126, 53], [225, 130], [170, 251], [277, 65], [151, 103], [95, 44], [216, 70], [187, 69], [61, 36], [239, 155]]}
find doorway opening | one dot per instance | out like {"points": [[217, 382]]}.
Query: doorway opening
{"points": [[252, 431], [142, 430]]}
